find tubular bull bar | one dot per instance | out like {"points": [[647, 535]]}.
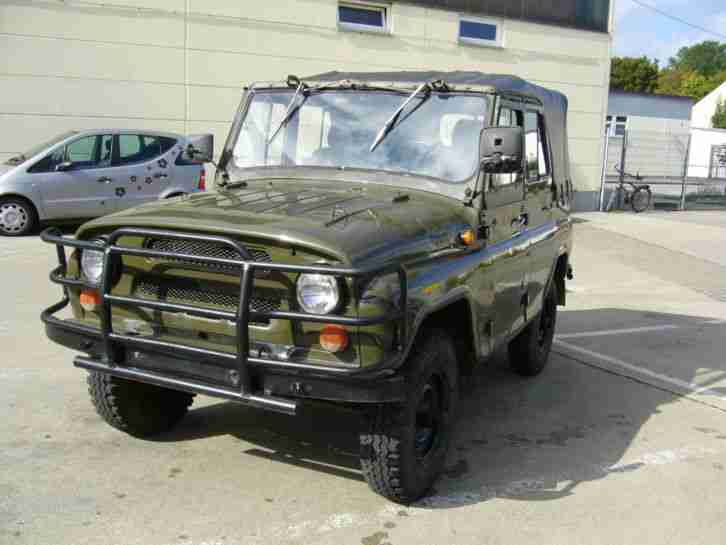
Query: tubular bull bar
{"points": [[110, 360]]}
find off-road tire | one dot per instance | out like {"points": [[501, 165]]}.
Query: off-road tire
{"points": [[530, 350], [26, 214], [141, 410], [391, 464]]}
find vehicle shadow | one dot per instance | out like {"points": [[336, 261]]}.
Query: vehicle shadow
{"points": [[526, 439]]}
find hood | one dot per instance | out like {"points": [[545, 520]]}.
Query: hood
{"points": [[354, 223]]}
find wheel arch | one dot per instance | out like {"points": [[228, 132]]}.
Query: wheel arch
{"points": [[26, 198], [455, 315]]}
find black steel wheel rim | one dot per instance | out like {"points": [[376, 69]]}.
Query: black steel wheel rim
{"points": [[429, 419]]}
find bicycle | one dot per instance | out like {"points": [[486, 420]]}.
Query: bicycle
{"points": [[639, 197]]}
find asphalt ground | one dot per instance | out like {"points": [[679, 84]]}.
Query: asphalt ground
{"points": [[621, 440]]}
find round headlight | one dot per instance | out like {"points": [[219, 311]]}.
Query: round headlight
{"points": [[92, 265], [318, 293]]}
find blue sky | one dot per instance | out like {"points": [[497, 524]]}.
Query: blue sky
{"points": [[640, 31]]}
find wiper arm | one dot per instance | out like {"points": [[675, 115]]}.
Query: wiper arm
{"points": [[291, 109], [391, 123]]}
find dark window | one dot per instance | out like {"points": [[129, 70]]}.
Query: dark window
{"points": [[49, 162], [362, 16], [129, 149], [135, 148], [476, 30], [584, 14]]}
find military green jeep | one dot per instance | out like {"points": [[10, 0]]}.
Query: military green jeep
{"points": [[372, 238]]}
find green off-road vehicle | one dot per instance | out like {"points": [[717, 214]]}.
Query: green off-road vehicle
{"points": [[372, 238]]}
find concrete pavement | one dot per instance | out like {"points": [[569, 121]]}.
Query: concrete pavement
{"points": [[621, 440]]}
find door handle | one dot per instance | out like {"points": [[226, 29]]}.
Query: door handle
{"points": [[104, 180], [160, 175]]}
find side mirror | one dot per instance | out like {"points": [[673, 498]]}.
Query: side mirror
{"points": [[501, 149], [65, 165], [199, 148]]}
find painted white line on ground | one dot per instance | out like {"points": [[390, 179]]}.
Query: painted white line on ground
{"points": [[644, 329], [605, 332], [642, 371]]}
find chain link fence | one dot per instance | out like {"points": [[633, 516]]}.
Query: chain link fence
{"points": [[685, 170]]}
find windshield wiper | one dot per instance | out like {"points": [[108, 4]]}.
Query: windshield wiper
{"points": [[393, 120], [291, 109]]}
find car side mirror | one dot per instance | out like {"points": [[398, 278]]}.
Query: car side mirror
{"points": [[65, 165], [199, 148], [501, 150]]}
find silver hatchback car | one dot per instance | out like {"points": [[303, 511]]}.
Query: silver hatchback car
{"points": [[85, 174]]}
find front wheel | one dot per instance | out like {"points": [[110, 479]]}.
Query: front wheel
{"points": [[139, 409], [403, 447], [17, 217], [640, 201]]}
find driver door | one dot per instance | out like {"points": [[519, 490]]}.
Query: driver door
{"points": [[505, 221], [83, 190]]}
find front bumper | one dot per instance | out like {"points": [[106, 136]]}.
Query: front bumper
{"points": [[243, 377]]}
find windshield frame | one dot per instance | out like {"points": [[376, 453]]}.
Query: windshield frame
{"points": [[349, 173], [40, 148]]}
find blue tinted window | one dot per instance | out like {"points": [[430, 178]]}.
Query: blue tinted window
{"points": [[478, 31], [361, 16]]}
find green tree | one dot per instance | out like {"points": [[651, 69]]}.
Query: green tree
{"points": [[670, 81], [719, 118], [636, 75], [696, 85], [706, 58]]}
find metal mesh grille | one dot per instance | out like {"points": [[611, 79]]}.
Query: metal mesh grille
{"points": [[206, 249], [194, 295]]}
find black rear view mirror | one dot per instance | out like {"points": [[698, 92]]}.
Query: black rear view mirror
{"points": [[199, 148], [501, 149]]}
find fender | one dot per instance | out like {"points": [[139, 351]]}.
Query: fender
{"points": [[461, 293]]}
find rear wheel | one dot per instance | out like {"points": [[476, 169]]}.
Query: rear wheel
{"points": [[17, 217], [530, 350], [139, 409], [404, 446], [640, 201]]}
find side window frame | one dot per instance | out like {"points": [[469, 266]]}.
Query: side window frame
{"points": [[543, 146], [517, 113]]}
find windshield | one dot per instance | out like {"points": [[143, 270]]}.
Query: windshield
{"points": [[436, 135], [17, 159]]}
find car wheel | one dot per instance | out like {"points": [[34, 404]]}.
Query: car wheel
{"points": [[139, 409], [530, 350], [17, 217], [403, 446]]}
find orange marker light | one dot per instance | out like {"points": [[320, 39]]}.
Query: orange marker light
{"points": [[467, 237], [334, 338], [90, 300]]}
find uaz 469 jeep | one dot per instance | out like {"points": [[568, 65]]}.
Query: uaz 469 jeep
{"points": [[372, 238]]}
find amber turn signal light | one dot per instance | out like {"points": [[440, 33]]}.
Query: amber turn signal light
{"points": [[90, 300], [467, 237], [334, 338]]}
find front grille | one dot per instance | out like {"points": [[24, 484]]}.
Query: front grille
{"points": [[207, 249], [175, 293]]}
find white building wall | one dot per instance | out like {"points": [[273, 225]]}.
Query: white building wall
{"points": [[179, 65], [704, 110], [702, 143]]}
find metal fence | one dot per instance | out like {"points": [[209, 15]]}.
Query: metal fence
{"points": [[680, 176]]}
